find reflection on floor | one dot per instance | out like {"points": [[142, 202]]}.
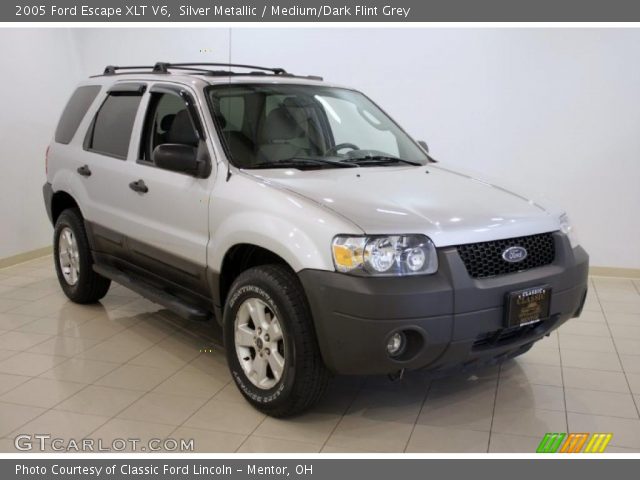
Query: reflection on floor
{"points": [[129, 369]]}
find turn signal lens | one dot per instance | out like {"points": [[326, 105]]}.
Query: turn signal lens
{"points": [[391, 255]]}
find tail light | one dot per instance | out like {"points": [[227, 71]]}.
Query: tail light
{"points": [[46, 160]]}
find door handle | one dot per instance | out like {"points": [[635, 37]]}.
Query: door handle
{"points": [[84, 170], [139, 186]]}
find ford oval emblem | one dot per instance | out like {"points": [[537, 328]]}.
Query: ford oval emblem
{"points": [[514, 254]]}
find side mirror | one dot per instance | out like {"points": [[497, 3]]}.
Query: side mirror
{"points": [[424, 145], [176, 157]]}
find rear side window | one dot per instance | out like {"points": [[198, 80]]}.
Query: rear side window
{"points": [[111, 130], [74, 112]]}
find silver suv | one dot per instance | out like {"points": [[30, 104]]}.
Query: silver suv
{"points": [[305, 221]]}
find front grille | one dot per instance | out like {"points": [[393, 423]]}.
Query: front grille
{"points": [[485, 259]]}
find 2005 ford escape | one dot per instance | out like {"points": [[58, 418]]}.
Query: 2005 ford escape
{"points": [[305, 221]]}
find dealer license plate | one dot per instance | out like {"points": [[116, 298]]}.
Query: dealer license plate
{"points": [[531, 305]]}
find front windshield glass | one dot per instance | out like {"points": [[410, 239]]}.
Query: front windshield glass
{"points": [[307, 126]]}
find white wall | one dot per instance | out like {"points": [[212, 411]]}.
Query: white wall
{"points": [[38, 71], [556, 111]]}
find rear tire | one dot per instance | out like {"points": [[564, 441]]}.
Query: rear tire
{"points": [[73, 260], [282, 374]]}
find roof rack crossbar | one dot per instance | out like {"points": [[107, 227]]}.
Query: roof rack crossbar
{"points": [[112, 69], [165, 66]]}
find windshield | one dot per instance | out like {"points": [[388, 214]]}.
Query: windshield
{"points": [[307, 126]]}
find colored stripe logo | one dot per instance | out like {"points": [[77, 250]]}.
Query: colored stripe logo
{"points": [[574, 443]]}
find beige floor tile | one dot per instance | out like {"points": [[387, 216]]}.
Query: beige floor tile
{"points": [[528, 422], [613, 283], [135, 377], [11, 321], [536, 397], [229, 393], [311, 427], [532, 373], [191, 381], [630, 363], [166, 355], [587, 343], [591, 360], [98, 328], [209, 441], [80, 370], [631, 332], [626, 431], [4, 354], [360, 432], [543, 356], [600, 403], [29, 364], [214, 364], [429, 439], [9, 382], [339, 449], [21, 341], [65, 425], [634, 382], [623, 319], [103, 401], [226, 417], [154, 327], [595, 380], [505, 443], [119, 428], [141, 305], [471, 413], [589, 317], [257, 444], [41, 392], [163, 408], [8, 305], [592, 305], [616, 295], [63, 346], [12, 416], [119, 348], [50, 326], [619, 307], [626, 346], [612, 449], [590, 329]]}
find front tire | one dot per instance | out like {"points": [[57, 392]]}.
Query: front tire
{"points": [[270, 342], [73, 260]]}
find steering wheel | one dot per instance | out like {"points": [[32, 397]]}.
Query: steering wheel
{"points": [[334, 150]]}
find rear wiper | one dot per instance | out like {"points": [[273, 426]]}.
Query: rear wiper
{"points": [[381, 159], [301, 161]]}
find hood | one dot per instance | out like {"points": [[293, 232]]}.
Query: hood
{"points": [[450, 207]]}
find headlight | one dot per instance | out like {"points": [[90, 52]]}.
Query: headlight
{"points": [[568, 230], [389, 255]]}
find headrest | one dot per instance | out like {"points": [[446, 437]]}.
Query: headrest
{"points": [[280, 125], [167, 121], [182, 130]]}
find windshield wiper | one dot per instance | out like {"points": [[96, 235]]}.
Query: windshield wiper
{"points": [[378, 159], [302, 161]]}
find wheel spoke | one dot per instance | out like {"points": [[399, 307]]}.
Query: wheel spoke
{"points": [[274, 330], [260, 369], [256, 307], [276, 362], [244, 336]]}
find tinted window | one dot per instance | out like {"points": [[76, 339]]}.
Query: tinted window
{"points": [[113, 124], [74, 112], [167, 121]]}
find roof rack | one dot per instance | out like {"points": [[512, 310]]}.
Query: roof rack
{"points": [[165, 67]]}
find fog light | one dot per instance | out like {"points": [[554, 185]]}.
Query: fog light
{"points": [[395, 344]]}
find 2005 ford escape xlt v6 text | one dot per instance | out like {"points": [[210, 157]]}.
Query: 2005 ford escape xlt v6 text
{"points": [[305, 221]]}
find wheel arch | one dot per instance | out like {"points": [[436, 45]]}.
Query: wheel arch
{"points": [[60, 202]]}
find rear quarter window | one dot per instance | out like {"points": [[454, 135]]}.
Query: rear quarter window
{"points": [[74, 112]]}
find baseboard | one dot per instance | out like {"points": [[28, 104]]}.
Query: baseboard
{"points": [[25, 257], [615, 272]]}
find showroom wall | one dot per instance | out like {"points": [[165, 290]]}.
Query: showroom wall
{"points": [[38, 69], [552, 111]]}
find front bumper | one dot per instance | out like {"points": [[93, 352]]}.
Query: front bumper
{"points": [[454, 320]]}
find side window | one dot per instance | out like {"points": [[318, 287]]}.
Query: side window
{"points": [[113, 124], [74, 112], [167, 121]]}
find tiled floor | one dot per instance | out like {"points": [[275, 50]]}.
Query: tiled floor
{"points": [[128, 369]]}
